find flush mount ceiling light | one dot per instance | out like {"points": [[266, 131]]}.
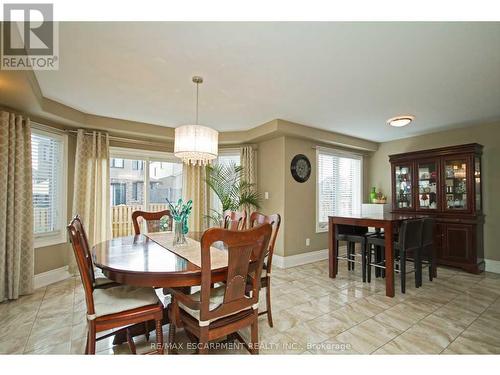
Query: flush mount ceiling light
{"points": [[196, 144], [400, 121]]}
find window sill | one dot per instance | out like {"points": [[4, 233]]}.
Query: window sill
{"points": [[49, 239]]}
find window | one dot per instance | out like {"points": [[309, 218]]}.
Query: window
{"points": [[118, 193], [226, 157], [117, 163], [48, 158], [137, 165], [339, 185], [145, 182]]}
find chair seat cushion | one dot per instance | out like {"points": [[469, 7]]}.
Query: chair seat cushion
{"points": [[216, 299], [122, 298]]}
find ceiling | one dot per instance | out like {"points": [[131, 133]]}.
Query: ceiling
{"points": [[344, 77]]}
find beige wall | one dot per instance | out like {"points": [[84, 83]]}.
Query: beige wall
{"points": [[294, 201], [270, 178], [487, 135]]}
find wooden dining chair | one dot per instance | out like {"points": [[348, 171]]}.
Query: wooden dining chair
{"points": [[234, 220], [114, 307], [154, 221], [256, 218], [222, 310]]}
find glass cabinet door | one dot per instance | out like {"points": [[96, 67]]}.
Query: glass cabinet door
{"points": [[403, 186], [455, 177], [477, 180], [427, 174]]}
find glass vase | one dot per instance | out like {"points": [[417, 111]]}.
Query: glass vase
{"points": [[179, 237]]}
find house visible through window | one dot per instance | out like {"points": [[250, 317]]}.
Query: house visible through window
{"points": [[133, 189], [339, 185], [117, 163], [49, 187]]}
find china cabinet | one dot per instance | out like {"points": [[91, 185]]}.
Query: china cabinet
{"points": [[445, 183]]}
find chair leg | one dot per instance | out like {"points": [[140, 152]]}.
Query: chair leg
{"points": [[368, 252], [146, 328], [402, 268], [378, 259], [254, 334], [131, 343], [268, 303], [159, 336], [336, 254], [353, 257], [363, 261], [87, 344], [348, 256], [417, 265], [91, 338], [203, 341]]}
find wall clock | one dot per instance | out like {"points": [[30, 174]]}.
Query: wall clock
{"points": [[300, 168]]}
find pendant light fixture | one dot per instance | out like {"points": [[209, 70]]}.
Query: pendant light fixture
{"points": [[196, 144]]}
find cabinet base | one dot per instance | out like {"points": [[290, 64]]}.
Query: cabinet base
{"points": [[470, 268]]}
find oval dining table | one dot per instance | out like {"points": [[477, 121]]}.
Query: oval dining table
{"points": [[139, 261]]}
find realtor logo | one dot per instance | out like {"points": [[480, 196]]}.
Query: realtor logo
{"points": [[29, 37]]}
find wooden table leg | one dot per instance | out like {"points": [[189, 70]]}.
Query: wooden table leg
{"points": [[389, 261], [332, 244]]}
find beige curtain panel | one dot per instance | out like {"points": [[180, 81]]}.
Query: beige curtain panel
{"points": [[194, 187], [248, 158], [91, 187], [16, 207]]}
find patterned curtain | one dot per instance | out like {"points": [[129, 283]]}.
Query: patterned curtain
{"points": [[16, 207], [249, 164], [91, 198], [194, 187]]}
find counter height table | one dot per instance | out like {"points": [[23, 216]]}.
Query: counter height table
{"points": [[386, 221]]}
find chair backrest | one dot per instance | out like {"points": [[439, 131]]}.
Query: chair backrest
{"points": [[410, 235], [256, 218], [428, 227], [246, 250], [83, 257], [155, 221], [234, 220]]}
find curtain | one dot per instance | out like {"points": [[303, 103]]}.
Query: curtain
{"points": [[249, 164], [194, 187], [91, 199], [16, 207]]}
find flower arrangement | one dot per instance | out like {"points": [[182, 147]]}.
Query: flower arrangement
{"points": [[180, 213]]}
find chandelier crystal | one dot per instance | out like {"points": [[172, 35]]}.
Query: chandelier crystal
{"points": [[196, 144]]}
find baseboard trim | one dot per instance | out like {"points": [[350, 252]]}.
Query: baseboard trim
{"points": [[492, 265], [51, 277], [299, 259]]}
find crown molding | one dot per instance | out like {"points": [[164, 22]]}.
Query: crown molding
{"points": [[21, 92]]}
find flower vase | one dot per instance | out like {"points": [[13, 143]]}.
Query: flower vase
{"points": [[179, 237]]}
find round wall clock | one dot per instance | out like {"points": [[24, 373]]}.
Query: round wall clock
{"points": [[300, 168]]}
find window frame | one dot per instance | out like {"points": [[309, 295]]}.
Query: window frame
{"points": [[338, 153], [60, 235]]}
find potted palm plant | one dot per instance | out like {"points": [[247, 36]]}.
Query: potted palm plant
{"points": [[228, 184]]}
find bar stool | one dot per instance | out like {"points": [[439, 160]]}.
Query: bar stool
{"points": [[352, 235], [427, 252], [408, 243]]}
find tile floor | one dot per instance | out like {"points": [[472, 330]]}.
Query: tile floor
{"points": [[458, 313]]}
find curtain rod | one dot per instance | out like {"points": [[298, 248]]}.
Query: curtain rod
{"points": [[122, 139]]}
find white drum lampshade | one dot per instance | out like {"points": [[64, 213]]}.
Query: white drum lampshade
{"points": [[196, 144]]}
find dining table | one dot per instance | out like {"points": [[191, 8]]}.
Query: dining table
{"points": [[144, 261], [386, 221]]}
